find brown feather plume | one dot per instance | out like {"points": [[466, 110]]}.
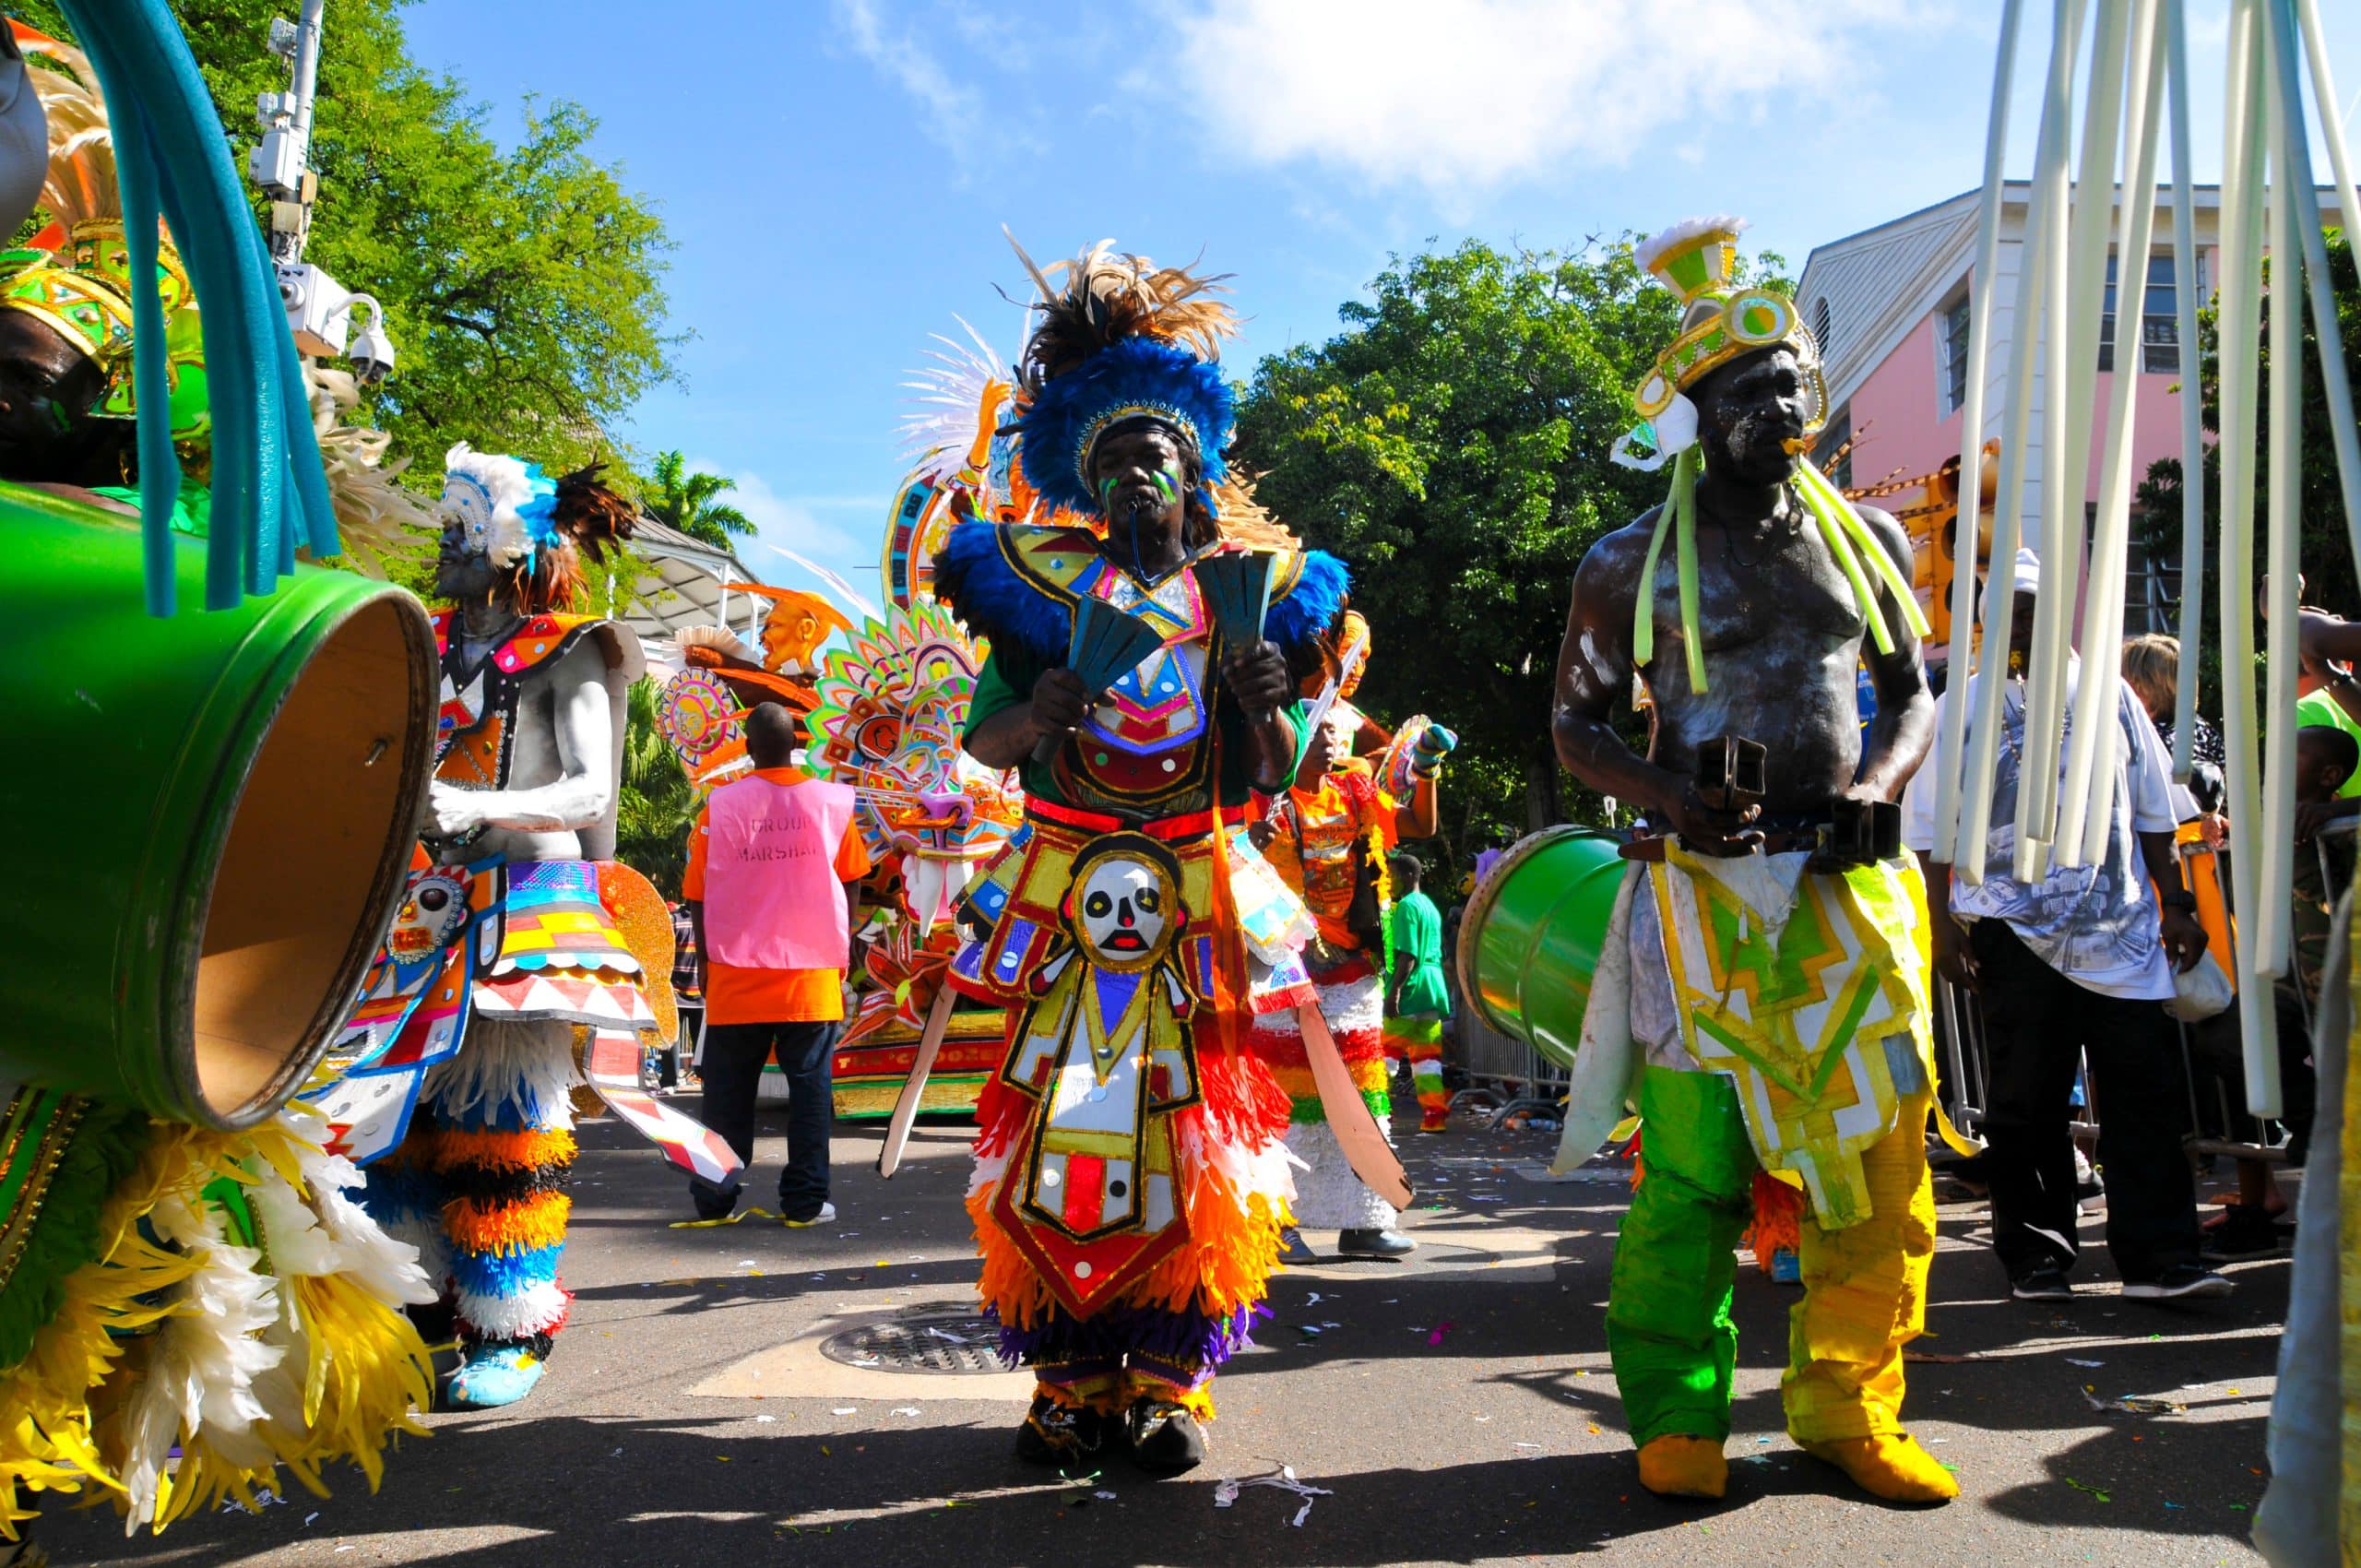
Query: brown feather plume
{"points": [[594, 517], [1103, 296]]}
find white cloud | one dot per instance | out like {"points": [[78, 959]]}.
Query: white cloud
{"points": [[949, 110], [1458, 93], [838, 531]]}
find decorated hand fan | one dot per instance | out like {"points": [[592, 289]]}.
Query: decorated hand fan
{"points": [[1237, 586], [1108, 644]]}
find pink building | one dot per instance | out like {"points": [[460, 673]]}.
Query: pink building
{"points": [[1890, 308]]}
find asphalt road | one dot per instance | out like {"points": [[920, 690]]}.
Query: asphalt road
{"points": [[1454, 1409]]}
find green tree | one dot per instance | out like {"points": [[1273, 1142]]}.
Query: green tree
{"points": [[2324, 547], [690, 502], [1451, 443], [658, 806], [524, 287]]}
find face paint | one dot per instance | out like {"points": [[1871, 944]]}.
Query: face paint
{"points": [[1167, 489]]}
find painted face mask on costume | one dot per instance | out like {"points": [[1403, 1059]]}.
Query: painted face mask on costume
{"points": [[1123, 912], [430, 916]]}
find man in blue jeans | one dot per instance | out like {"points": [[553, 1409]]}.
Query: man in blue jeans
{"points": [[771, 883]]}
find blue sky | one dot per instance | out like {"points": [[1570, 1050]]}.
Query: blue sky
{"points": [[836, 172]]}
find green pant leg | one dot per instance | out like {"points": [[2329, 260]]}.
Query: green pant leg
{"points": [[1669, 1325]]}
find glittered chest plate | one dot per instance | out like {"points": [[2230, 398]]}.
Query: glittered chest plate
{"points": [[475, 726]]}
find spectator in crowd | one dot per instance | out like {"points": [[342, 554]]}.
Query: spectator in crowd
{"points": [[688, 998], [2152, 664], [2077, 964], [2326, 692], [772, 865]]}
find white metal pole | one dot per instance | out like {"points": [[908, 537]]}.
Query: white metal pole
{"points": [[2192, 409], [1971, 438]]}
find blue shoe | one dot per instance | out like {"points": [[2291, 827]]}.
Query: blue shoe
{"points": [[488, 1379], [1787, 1268]]}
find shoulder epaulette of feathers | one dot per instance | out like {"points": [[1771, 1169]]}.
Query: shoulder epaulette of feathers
{"points": [[978, 575]]}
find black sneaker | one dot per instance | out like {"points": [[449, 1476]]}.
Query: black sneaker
{"points": [[2245, 1232], [2181, 1282], [2042, 1285], [1165, 1438], [1380, 1246], [1294, 1249], [1059, 1434]]}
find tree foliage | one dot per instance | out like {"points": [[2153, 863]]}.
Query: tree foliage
{"points": [[524, 287], [690, 502], [1451, 443], [2324, 547]]}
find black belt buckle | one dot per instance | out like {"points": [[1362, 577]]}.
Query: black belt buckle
{"points": [[1861, 833], [1731, 776]]}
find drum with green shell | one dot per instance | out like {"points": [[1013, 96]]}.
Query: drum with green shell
{"points": [[1529, 939], [212, 814]]}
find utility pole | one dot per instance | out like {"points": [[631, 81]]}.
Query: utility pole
{"points": [[319, 309]]}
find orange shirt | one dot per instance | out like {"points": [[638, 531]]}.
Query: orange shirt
{"points": [[734, 994]]}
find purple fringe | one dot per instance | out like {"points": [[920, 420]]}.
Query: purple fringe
{"points": [[1190, 1337]]}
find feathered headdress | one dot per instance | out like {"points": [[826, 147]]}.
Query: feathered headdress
{"points": [[532, 527], [1120, 338]]}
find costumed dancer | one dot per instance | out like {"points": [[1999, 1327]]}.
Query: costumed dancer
{"points": [[1131, 1177], [1417, 999], [190, 1299], [1760, 994], [525, 961], [1328, 838]]}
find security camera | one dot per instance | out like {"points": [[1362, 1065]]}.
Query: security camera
{"points": [[372, 350]]}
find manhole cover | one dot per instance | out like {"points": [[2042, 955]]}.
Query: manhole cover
{"points": [[959, 1344]]}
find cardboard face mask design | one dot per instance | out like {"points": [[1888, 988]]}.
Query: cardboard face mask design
{"points": [[431, 915], [1123, 912]]}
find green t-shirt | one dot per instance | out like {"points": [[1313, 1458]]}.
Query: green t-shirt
{"points": [[1007, 678], [2321, 708], [1414, 931]]}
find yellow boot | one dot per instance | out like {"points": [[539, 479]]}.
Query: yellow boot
{"points": [[1889, 1465], [1683, 1467]]}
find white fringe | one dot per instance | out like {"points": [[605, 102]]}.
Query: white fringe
{"points": [[527, 1066], [537, 1309], [1646, 251]]}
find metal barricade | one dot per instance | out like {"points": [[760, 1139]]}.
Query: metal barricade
{"points": [[1505, 1076]]}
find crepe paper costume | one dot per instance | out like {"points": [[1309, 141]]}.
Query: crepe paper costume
{"points": [[1414, 1034], [1331, 847], [1722, 320], [1130, 1178], [1762, 1016], [506, 984]]}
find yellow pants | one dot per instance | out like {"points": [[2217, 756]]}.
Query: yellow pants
{"points": [[1669, 1325]]}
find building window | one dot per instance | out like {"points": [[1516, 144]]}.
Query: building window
{"points": [[1832, 456], [1950, 349], [2151, 578], [2159, 320]]}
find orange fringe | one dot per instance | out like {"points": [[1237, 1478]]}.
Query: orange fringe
{"points": [[1233, 1247], [442, 1147], [539, 1221], [1778, 1219]]}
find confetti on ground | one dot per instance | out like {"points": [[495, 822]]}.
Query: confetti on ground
{"points": [[904, 1411], [2083, 1486], [1441, 1329], [2077, 1362], [844, 1410], [1283, 1479]]}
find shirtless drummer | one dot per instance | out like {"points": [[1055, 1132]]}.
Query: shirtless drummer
{"points": [[1773, 1013]]}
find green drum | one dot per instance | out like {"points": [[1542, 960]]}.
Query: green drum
{"points": [[212, 816], [1528, 941]]}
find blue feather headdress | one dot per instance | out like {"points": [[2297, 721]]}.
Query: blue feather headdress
{"points": [[1120, 338]]}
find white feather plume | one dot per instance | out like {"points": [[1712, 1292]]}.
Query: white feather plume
{"points": [[940, 431], [1648, 250]]}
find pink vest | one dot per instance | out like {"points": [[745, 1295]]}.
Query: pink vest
{"points": [[772, 900]]}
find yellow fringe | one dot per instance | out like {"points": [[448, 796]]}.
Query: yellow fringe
{"points": [[366, 1366]]}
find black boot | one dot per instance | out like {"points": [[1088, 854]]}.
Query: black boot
{"points": [[1383, 1245], [1165, 1438], [1059, 1434]]}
